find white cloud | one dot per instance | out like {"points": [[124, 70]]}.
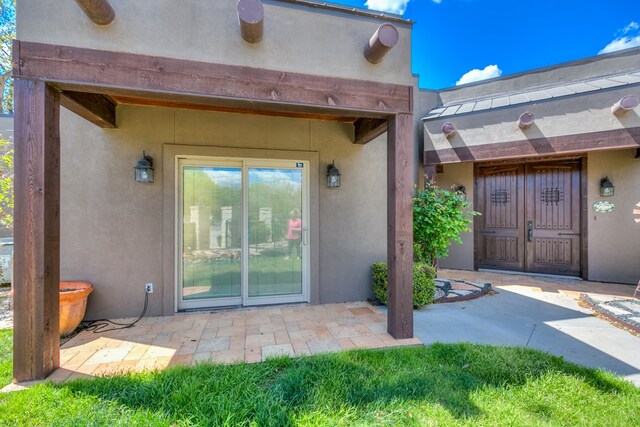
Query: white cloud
{"points": [[391, 6], [633, 26], [628, 37], [475, 75], [437, 1]]}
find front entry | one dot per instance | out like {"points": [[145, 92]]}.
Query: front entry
{"points": [[530, 217], [243, 234]]}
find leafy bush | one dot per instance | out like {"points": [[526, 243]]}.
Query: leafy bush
{"points": [[439, 216], [423, 283]]}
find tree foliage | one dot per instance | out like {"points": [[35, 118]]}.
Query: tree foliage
{"points": [[439, 217], [7, 34], [6, 184]]}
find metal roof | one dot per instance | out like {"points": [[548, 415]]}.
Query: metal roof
{"points": [[535, 94]]}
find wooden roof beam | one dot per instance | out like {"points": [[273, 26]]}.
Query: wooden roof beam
{"points": [[96, 108], [368, 129], [251, 19], [99, 12], [385, 37]]}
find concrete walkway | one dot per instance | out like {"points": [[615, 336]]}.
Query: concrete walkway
{"points": [[537, 312]]}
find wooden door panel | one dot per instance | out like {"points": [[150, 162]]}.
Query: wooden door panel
{"points": [[501, 227], [553, 214]]}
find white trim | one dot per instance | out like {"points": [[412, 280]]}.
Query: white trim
{"points": [[244, 164]]}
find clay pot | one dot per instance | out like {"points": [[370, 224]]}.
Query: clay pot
{"points": [[73, 303]]}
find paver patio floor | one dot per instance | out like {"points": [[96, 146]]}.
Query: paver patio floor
{"points": [[230, 336]]}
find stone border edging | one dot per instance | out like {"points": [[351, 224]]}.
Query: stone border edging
{"points": [[590, 303]]}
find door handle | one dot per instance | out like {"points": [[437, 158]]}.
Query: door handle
{"points": [[568, 234], [304, 236], [530, 231], [487, 232]]}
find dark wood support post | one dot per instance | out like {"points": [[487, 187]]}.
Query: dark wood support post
{"points": [[400, 225], [36, 350], [429, 174]]}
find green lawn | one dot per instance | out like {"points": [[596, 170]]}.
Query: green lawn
{"points": [[439, 385]]}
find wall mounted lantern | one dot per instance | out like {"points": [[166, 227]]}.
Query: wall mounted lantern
{"points": [[448, 129], [606, 187], [333, 176], [626, 103], [525, 120], [144, 169], [460, 190]]}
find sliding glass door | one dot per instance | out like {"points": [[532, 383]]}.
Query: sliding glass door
{"points": [[243, 232]]}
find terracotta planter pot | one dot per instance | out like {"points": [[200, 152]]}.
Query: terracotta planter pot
{"points": [[73, 303]]}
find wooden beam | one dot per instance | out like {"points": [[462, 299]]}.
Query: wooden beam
{"points": [[155, 102], [36, 230], [96, 108], [107, 72], [251, 18], [385, 37], [99, 12], [400, 225], [366, 130], [565, 144]]}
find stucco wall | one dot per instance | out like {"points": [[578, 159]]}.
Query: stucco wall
{"points": [[112, 227], [460, 256], [558, 117], [614, 238], [296, 38]]}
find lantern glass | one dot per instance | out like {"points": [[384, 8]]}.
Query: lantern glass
{"points": [[333, 176], [144, 169], [606, 187]]}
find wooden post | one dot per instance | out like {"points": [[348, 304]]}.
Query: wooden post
{"points": [[400, 225], [429, 174], [36, 350], [99, 12]]}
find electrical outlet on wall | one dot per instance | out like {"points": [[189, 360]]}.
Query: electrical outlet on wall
{"points": [[148, 288]]}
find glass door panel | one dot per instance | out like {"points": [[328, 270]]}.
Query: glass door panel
{"points": [[211, 236], [276, 232]]}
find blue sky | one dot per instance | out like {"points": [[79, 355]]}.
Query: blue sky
{"points": [[500, 37]]}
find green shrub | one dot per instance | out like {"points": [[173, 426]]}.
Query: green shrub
{"points": [[423, 283]]}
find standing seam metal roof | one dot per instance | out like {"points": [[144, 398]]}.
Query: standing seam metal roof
{"points": [[535, 94]]}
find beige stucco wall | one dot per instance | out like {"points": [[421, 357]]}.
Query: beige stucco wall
{"points": [[112, 228], [614, 238], [460, 255], [594, 67], [562, 116], [296, 38]]}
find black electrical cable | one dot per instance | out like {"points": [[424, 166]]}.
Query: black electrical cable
{"points": [[100, 325]]}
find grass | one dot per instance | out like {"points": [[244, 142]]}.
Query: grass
{"points": [[453, 384]]}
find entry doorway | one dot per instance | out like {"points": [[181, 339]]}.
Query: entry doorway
{"points": [[243, 232], [530, 217]]}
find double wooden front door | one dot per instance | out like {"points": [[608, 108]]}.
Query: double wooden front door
{"points": [[530, 217]]}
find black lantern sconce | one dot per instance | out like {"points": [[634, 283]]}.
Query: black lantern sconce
{"points": [[606, 187], [461, 191], [144, 169], [333, 176]]}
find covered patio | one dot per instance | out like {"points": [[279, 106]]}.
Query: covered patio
{"points": [[93, 83]]}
